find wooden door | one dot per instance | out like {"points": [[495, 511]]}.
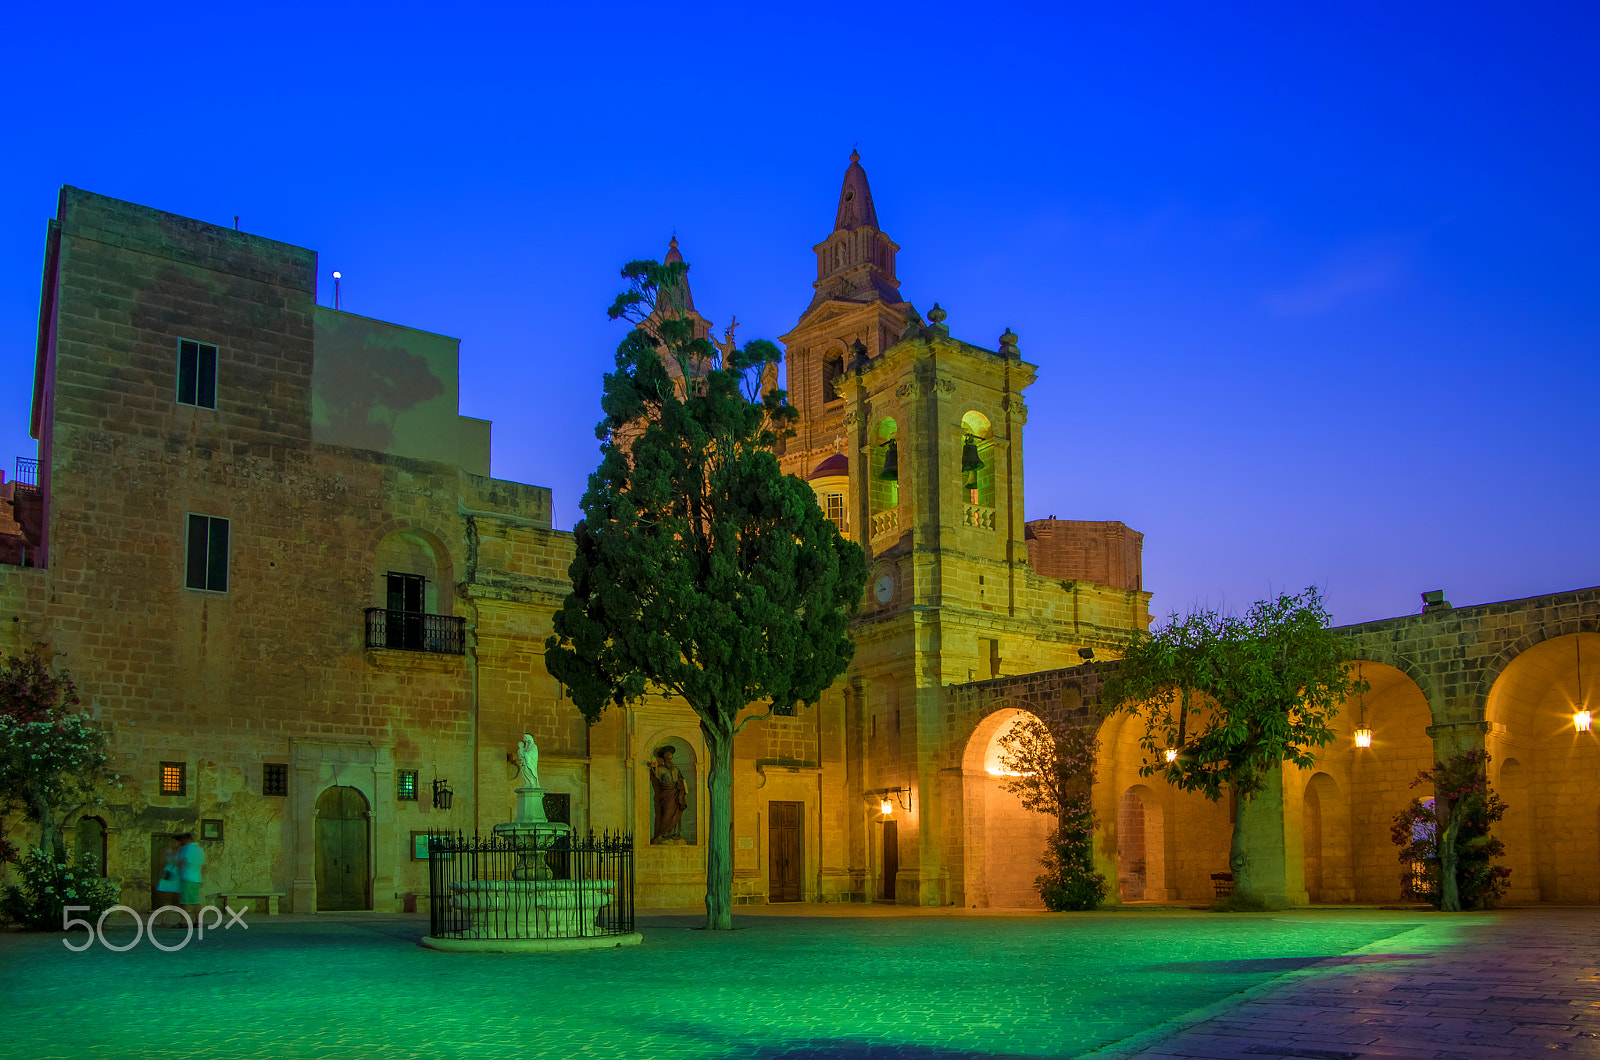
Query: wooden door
{"points": [[891, 859], [342, 850], [785, 850]]}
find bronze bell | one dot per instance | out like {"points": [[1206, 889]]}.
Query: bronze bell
{"points": [[970, 460], [891, 462]]}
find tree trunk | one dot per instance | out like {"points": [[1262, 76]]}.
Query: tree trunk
{"points": [[1239, 855], [51, 840], [1445, 842], [719, 855]]}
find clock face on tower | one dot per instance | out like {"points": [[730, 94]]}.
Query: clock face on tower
{"points": [[884, 590]]}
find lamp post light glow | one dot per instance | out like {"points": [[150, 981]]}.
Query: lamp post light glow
{"points": [[1171, 754]]}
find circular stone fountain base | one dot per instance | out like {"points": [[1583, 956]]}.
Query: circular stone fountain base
{"points": [[591, 942]]}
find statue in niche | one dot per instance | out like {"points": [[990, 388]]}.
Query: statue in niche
{"points": [[528, 759], [672, 796]]}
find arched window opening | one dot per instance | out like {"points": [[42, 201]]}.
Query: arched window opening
{"points": [[832, 369], [977, 460], [885, 480], [91, 842]]}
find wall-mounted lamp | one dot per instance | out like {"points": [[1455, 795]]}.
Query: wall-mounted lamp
{"points": [[442, 794], [1363, 732], [1170, 754], [887, 797], [1581, 719]]}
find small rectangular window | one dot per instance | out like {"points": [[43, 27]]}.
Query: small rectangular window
{"points": [[208, 553], [275, 778], [197, 374], [406, 789], [172, 778]]}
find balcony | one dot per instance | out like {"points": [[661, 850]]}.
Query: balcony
{"points": [[978, 516], [885, 523], [415, 631]]}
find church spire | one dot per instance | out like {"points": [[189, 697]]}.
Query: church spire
{"points": [[855, 199], [677, 295]]}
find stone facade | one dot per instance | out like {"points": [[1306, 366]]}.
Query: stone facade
{"points": [[386, 602]]}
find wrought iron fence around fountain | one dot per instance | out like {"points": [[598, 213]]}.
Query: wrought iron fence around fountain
{"points": [[526, 887]]}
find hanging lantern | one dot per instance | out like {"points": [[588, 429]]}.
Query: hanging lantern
{"points": [[1363, 732], [891, 462], [886, 806], [1581, 719]]}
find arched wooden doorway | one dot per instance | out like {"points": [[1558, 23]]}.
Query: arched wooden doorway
{"points": [[343, 835]]}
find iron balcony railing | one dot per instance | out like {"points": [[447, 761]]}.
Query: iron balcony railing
{"points": [[415, 631], [27, 472]]}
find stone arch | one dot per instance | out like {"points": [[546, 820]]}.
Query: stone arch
{"points": [[90, 838], [1326, 833], [1141, 846], [978, 484], [884, 493], [1003, 840], [1196, 832], [1382, 653], [1375, 782], [1535, 636], [1539, 757]]}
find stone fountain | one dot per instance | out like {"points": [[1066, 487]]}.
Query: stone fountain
{"points": [[532, 911]]}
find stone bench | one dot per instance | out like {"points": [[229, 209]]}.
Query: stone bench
{"points": [[223, 898]]}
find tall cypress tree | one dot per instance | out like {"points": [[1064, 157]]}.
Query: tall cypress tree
{"points": [[701, 569]]}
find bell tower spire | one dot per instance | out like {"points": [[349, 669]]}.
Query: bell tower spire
{"points": [[855, 199]]}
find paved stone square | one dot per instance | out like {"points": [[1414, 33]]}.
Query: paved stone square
{"points": [[835, 982]]}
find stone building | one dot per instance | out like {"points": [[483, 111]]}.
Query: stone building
{"points": [[272, 555]]}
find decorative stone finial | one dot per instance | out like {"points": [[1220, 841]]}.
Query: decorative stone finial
{"points": [[936, 317], [855, 156], [1008, 344]]}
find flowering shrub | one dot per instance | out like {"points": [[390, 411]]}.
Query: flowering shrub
{"points": [[52, 758], [49, 885], [1458, 873]]}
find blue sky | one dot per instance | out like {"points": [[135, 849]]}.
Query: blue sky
{"points": [[1311, 288]]}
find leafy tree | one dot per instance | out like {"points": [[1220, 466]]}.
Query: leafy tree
{"points": [[701, 569], [53, 759], [1235, 697], [1450, 840], [1050, 765]]}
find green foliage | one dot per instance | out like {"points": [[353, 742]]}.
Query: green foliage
{"points": [[700, 568], [1463, 812], [1050, 765], [1235, 696], [49, 885], [52, 758]]}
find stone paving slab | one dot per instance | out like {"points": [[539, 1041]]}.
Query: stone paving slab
{"points": [[816, 982], [1520, 983]]}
